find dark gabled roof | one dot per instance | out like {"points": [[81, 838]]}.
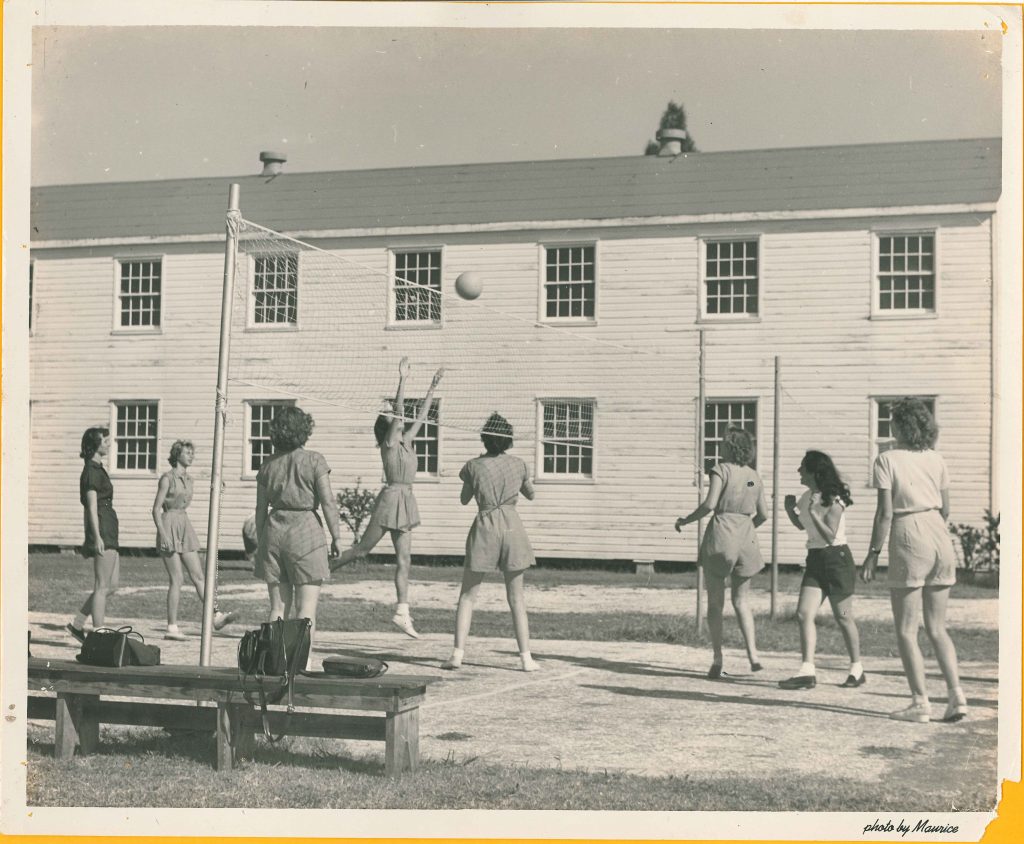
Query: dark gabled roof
{"points": [[806, 179]]}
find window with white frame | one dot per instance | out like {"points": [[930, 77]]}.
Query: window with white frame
{"points": [[258, 445], [139, 294], [275, 290], [731, 278], [417, 287], [427, 442], [906, 273], [570, 282], [136, 429], [883, 438], [719, 417], [567, 438]]}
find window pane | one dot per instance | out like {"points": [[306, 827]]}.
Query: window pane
{"points": [[568, 437], [275, 289], [570, 287], [731, 277]]}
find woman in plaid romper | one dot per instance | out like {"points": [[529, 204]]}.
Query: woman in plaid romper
{"points": [[292, 551], [497, 539]]}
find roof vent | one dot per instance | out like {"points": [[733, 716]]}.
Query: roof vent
{"points": [[671, 141], [272, 162]]}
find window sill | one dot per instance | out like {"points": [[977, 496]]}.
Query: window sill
{"points": [[565, 479], [143, 331], [885, 316], [568, 321], [261, 329], [728, 320], [123, 474], [427, 479], [414, 326]]}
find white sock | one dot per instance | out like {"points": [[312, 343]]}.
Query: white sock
{"points": [[457, 655], [401, 609], [957, 693], [920, 700], [806, 669], [526, 659], [79, 621], [173, 628], [856, 669]]}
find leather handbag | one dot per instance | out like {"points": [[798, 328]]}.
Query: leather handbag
{"points": [[272, 656], [357, 667], [111, 648]]}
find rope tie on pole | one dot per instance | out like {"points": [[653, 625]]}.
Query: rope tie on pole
{"points": [[234, 223]]}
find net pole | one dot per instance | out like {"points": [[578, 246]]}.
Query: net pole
{"points": [[213, 525], [776, 437], [699, 468]]}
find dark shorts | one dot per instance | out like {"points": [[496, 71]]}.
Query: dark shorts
{"points": [[831, 570], [107, 518]]}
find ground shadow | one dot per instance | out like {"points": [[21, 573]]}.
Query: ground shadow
{"points": [[618, 667], [706, 697]]}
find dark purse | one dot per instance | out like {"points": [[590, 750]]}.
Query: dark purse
{"points": [[110, 648], [272, 656], [358, 667]]}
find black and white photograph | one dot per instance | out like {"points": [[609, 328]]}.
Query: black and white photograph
{"points": [[461, 420]]}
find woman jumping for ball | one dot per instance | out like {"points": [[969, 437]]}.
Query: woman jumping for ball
{"points": [[395, 509]]}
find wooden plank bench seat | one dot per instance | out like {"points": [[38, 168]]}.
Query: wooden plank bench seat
{"points": [[76, 698]]}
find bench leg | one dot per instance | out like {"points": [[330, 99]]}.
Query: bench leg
{"points": [[402, 742], [76, 722], [234, 740]]}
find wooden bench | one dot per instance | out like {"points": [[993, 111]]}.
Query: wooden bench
{"points": [[76, 698]]}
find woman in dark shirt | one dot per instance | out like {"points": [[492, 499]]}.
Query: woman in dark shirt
{"points": [[97, 496]]}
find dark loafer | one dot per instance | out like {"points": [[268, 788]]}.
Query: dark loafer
{"points": [[76, 632], [715, 672], [801, 681], [852, 682]]}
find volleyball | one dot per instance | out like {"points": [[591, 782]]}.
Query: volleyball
{"points": [[469, 285]]}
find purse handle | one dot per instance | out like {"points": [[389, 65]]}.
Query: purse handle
{"points": [[125, 630]]}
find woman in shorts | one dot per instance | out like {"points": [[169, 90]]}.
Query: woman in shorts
{"points": [[497, 540], [830, 570], [913, 504], [176, 539], [101, 530], [292, 552], [729, 552]]}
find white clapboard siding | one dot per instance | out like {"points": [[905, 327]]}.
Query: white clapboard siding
{"points": [[816, 292]]}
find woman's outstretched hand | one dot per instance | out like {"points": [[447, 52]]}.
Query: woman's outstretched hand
{"points": [[437, 377], [680, 524], [404, 367]]}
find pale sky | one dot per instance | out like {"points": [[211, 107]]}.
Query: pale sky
{"points": [[125, 104]]}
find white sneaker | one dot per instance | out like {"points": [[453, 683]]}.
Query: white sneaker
{"points": [[223, 619], [919, 713], [451, 664], [175, 634], [529, 665], [404, 623], [955, 710]]}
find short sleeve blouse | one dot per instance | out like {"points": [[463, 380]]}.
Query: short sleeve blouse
{"points": [[95, 479], [290, 479]]}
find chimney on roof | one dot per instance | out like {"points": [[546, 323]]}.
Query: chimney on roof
{"points": [[671, 141], [272, 162]]}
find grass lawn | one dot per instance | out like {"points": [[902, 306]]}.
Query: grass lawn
{"points": [[58, 583], [142, 768]]}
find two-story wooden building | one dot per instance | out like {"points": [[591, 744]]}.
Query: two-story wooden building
{"points": [[867, 270]]}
